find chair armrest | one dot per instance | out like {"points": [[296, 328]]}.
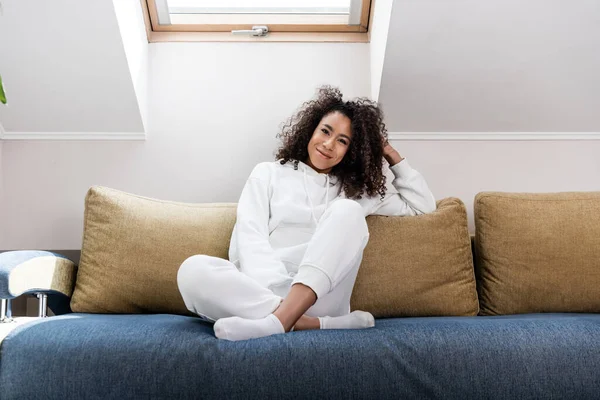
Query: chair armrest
{"points": [[34, 271]]}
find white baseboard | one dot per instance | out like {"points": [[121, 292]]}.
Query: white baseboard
{"points": [[72, 135], [469, 136]]}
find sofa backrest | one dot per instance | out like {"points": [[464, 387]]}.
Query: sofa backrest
{"points": [[538, 252], [532, 253], [133, 246]]}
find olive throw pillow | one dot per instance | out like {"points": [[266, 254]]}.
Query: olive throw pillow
{"points": [[133, 247], [418, 266], [538, 252]]}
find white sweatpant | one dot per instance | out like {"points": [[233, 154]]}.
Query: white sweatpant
{"points": [[214, 288]]}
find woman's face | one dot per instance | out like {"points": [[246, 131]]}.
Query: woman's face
{"points": [[329, 142]]}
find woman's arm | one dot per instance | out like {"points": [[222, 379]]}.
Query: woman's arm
{"points": [[409, 194], [256, 256]]}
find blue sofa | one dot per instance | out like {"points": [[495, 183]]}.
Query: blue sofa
{"points": [[550, 355], [86, 356]]}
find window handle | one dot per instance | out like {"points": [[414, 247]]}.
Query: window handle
{"points": [[255, 31]]}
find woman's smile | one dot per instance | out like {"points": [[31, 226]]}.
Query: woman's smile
{"points": [[322, 154]]}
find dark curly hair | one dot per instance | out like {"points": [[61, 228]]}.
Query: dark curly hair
{"points": [[361, 169]]}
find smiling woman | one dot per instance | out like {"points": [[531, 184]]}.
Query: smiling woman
{"points": [[300, 231], [330, 142], [344, 139], [261, 18]]}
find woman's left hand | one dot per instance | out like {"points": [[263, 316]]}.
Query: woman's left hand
{"points": [[390, 154]]}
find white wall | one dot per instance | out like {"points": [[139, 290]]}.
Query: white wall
{"points": [[214, 111], [464, 168], [64, 67]]}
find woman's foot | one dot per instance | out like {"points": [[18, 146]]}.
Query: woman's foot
{"points": [[236, 328], [355, 320]]}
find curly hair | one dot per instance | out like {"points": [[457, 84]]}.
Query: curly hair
{"points": [[361, 169]]}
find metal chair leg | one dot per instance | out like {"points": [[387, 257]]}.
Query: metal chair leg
{"points": [[5, 311], [42, 305]]}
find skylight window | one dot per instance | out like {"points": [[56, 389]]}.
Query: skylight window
{"points": [[259, 17]]}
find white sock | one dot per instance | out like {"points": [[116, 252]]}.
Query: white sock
{"points": [[236, 328], [354, 320]]}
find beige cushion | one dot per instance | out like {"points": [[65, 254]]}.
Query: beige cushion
{"points": [[538, 252], [418, 266], [133, 247]]}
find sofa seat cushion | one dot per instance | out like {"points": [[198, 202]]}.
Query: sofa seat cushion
{"points": [[82, 356]]}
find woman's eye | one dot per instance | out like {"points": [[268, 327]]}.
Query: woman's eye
{"points": [[343, 141], [325, 131]]}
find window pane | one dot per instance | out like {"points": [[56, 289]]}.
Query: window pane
{"points": [[278, 15], [259, 7], [259, 19]]}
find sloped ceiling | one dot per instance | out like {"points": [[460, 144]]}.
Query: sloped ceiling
{"points": [[65, 69], [492, 66]]}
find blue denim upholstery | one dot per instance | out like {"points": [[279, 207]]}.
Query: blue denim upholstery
{"points": [[84, 356]]}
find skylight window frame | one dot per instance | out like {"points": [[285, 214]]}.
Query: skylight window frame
{"points": [[321, 30]]}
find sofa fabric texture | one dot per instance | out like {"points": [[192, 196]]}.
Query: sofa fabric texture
{"points": [[538, 252], [83, 356], [133, 246]]}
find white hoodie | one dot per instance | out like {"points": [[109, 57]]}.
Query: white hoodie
{"points": [[280, 206]]}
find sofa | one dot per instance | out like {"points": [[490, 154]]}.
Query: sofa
{"points": [[509, 312]]}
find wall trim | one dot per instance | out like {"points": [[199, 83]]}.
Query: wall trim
{"points": [[72, 135], [468, 136], [440, 136]]}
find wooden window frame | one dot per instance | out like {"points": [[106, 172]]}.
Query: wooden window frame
{"points": [[277, 32]]}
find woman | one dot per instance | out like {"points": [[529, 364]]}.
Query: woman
{"points": [[300, 232]]}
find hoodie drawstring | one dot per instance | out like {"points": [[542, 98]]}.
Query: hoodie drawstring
{"points": [[312, 207]]}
